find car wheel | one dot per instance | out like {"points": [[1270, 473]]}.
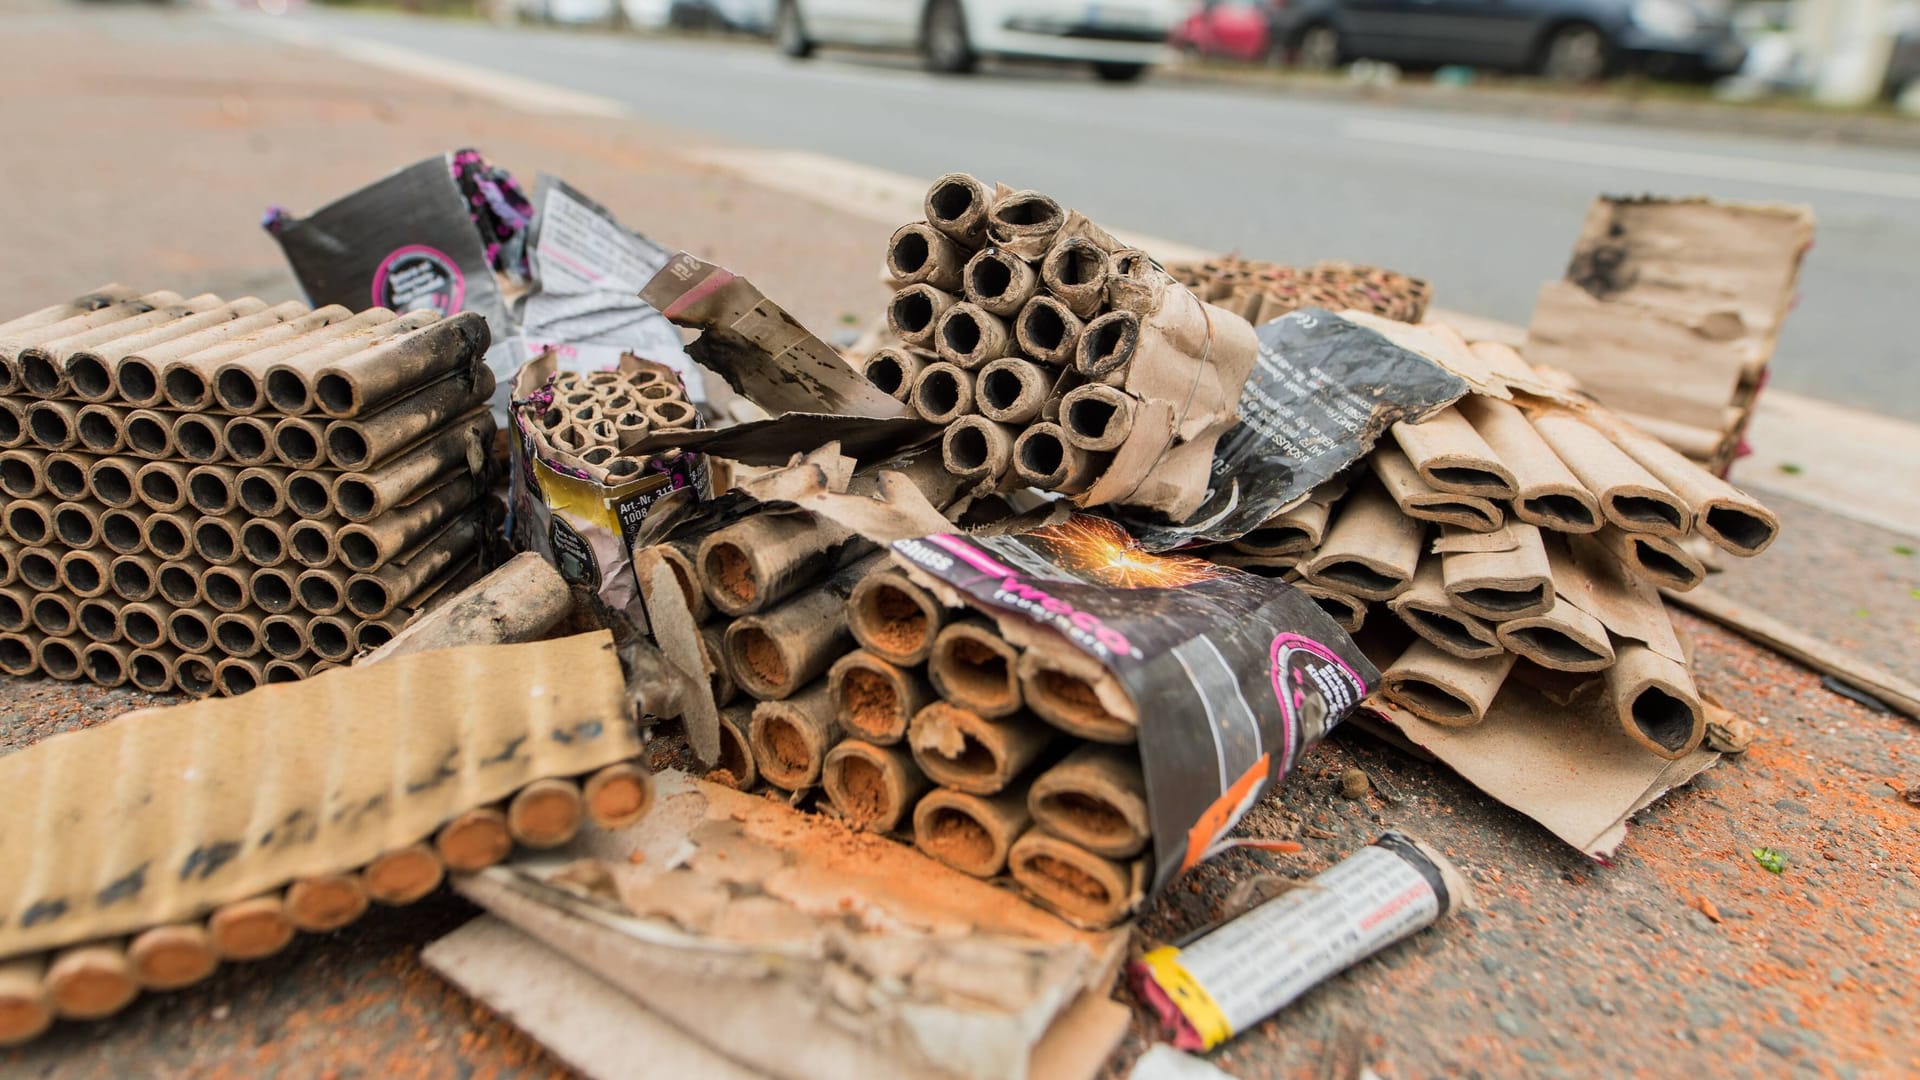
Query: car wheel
{"points": [[789, 34], [944, 39], [1577, 53], [1319, 48], [1118, 73]]}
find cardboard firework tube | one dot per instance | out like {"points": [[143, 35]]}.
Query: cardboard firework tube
{"points": [[1563, 639], [1547, 494], [52, 614], [263, 541], [914, 314], [975, 448], [1452, 457], [1097, 417], [1087, 890], [1499, 585], [1072, 704], [876, 700], [54, 425], [1292, 531], [279, 671], [284, 637], [713, 653], [200, 438], [1075, 271], [20, 475], [1372, 550], [79, 324], [173, 956], [373, 633], [103, 297], [960, 749], [367, 546], [760, 560], [179, 581], [332, 637], [249, 440], [1430, 613], [375, 594], [98, 620], [873, 787], [26, 1009], [191, 629], [893, 618], [1421, 501], [162, 485], [894, 371], [83, 573], [1011, 390], [681, 557], [1443, 688], [670, 414], [69, 478], [1344, 608], [104, 663], [942, 393], [42, 366], [216, 539], [20, 653], [9, 565], [1630, 496], [918, 253], [236, 369], [261, 490], [1732, 519], [325, 902], [91, 982], [968, 336], [310, 493], [403, 875], [618, 795], [149, 434], [365, 442], [1656, 701], [1047, 330], [13, 421], [1025, 223], [999, 282], [460, 447], [184, 386], [76, 524], [1237, 974], [356, 384], [144, 624], [101, 429], [39, 568], [250, 929], [957, 205], [969, 833], [1044, 459], [1096, 798], [193, 675], [237, 633], [973, 667], [15, 605], [1654, 558], [1107, 345], [521, 600], [312, 543], [30, 521], [736, 747], [300, 443], [322, 592], [546, 813], [774, 653], [791, 737], [150, 670]]}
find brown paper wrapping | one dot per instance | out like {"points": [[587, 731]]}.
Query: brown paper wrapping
{"points": [[1452, 457], [1371, 551], [1499, 575]]}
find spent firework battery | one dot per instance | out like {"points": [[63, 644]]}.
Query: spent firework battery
{"points": [[1252, 967], [1230, 676]]}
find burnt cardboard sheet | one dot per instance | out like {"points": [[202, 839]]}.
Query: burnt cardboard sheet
{"points": [[1323, 390], [166, 813], [1232, 675], [773, 442]]}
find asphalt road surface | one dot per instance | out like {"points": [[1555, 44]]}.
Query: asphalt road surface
{"points": [[1485, 207]]}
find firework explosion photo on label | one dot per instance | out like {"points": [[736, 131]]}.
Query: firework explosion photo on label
{"points": [[1105, 554]]}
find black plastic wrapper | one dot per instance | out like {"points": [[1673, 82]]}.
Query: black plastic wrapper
{"points": [[1233, 675], [1322, 392]]}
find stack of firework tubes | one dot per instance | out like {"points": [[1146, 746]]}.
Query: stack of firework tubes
{"points": [[581, 421], [1263, 291], [1504, 533], [914, 720], [205, 495], [248, 864], [1054, 357]]}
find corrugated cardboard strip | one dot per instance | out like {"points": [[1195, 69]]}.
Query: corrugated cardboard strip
{"points": [[165, 813]]}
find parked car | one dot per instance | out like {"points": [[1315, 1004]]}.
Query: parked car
{"points": [[1121, 40], [1571, 40], [1251, 30]]}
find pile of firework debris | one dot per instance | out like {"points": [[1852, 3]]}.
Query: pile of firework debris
{"points": [[974, 641]]}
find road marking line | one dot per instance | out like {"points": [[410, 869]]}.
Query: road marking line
{"points": [[1612, 155], [513, 91]]}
